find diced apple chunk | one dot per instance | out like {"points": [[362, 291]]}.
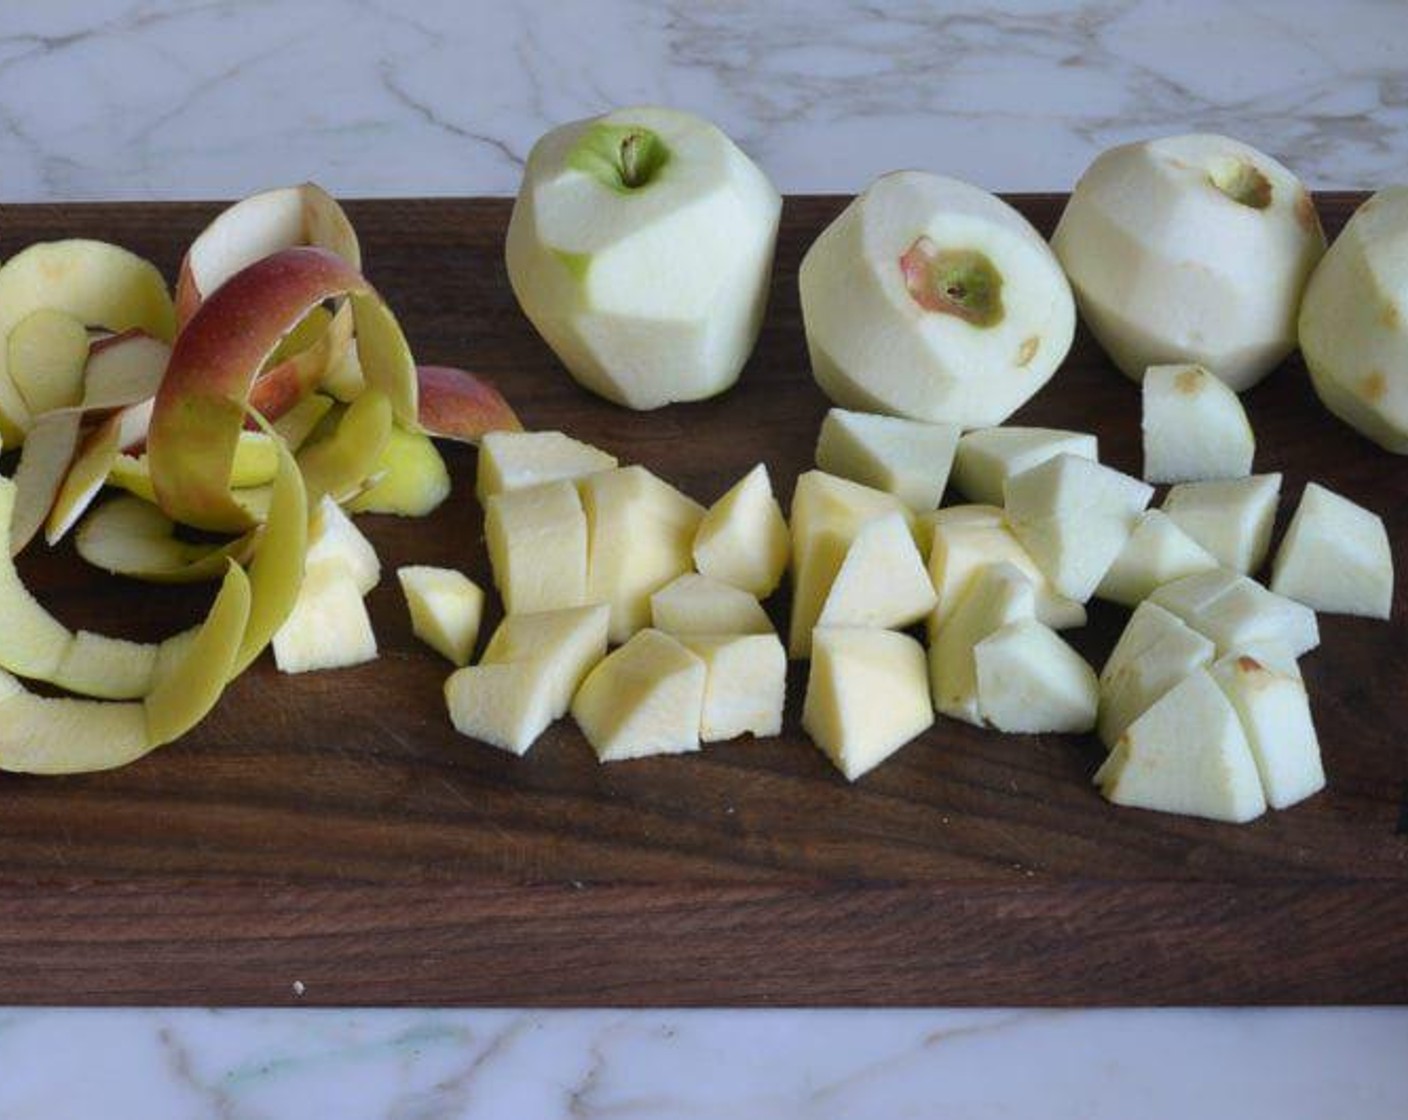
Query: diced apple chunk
{"points": [[531, 669], [1187, 754], [411, 478], [1194, 426], [446, 609], [1032, 682], [643, 699], [997, 596], [1335, 557], [1232, 519], [988, 457], [968, 538], [1074, 517], [538, 547], [867, 696], [882, 582], [1236, 612], [328, 627], [695, 604], [1275, 713], [517, 460], [907, 458], [1157, 552], [1156, 652], [743, 538], [746, 687], [333, 538], [641, 534]]}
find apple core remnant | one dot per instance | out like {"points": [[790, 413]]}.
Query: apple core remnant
{"points": [[958, 282]]}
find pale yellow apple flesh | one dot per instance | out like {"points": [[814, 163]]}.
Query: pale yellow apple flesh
{"points": [[695, 604], [446, 608], [645, 698], [743, 538], [537, 541]]}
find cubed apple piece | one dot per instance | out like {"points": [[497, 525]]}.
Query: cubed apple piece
{"points": [[1160, 653], [743, 538], [1275, 712], [1235, 612], [1074, 517], [910, 459], [968, 538], [1157, 552], [1194, 426], [1335, 557], [538, 547], [882, 582], [695, 604], [515, 460], [333, 538], [411, 479], [827, 514], [987, 457], [1231, 518], [867, 696], [746, 687], [1030, 681], [446, 608], [329, 627], [641, 532], [643, 699], [48, 350], [997, 596], [1187, 754], [531, 669]]}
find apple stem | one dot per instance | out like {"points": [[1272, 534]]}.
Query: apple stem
{"points": [[632, 165]]}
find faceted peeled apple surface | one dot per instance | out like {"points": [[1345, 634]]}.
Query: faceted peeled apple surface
{"points": [[446, 609], [640, 247], [1275, 713], [867, 696], [1074, 517], [743, 539], [1353, 334], [329, 627], [333, 538], [1190, 248], [643, 699], [1030, 681], [907, 458], [1155, 652], [695, 604], [538, 547], [1232, 519], [988, 457], [530, 671], [746, 687], [1186, 754], [1194, 426], [515, 460], [1157, 552], [641, 533], [969, 538], [1335, 557], [932, 299], [997, 596], [1236, 612], [882, 581]]}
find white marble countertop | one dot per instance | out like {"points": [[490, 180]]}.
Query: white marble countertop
{"points": [[142, 99]]}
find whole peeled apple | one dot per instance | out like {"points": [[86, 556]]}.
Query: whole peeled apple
{"points": [[1352, 329], [933, 299], [1190, 249], [641, 247]]}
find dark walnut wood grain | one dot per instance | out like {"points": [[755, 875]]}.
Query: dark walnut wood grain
{"points": [[332, 828]]}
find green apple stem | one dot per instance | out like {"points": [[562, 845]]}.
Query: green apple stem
{"points": [[622, 157]]}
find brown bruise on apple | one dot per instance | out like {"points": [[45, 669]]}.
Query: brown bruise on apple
{"points": [[1374, 387], [1307, 216], [1189, 382], [962, 283], [1242, 182], [1027, 351]]}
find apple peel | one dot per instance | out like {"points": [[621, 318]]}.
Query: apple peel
{"points": [[458, 405], [130, 537], [201, 406]]}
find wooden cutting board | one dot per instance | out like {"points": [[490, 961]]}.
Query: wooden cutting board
{"points": [[332, 831]]}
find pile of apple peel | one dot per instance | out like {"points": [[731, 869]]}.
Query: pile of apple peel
{"points": [[277, 383]]}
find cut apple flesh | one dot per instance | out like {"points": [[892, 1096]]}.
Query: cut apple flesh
{"points": [[200, 408], [96, 283], [411, 479]]}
